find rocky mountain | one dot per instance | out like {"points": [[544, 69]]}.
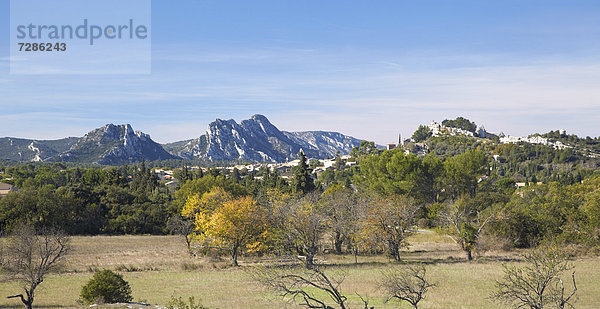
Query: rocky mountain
{"points": [[19, 149], [257, 139], [327, 142], [114, 145]]}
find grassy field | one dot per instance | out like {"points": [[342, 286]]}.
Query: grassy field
{"points": [[158, 267]]}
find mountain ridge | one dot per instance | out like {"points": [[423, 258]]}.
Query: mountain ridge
{"points": [[255, 139], [114, 145]]}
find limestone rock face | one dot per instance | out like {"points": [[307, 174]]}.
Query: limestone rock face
{"points": [[115, 145], [257, 139]]}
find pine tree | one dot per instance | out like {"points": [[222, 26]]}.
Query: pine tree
{"points": [[235, 176], [339, 164], [303, 181], [184, 175]]}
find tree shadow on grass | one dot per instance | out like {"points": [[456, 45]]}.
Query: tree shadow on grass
{"points": [[19, 305], [426, 261], [408, 260]]}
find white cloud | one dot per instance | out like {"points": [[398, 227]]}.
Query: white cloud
{"points": [[516, 100], [372, 97]]}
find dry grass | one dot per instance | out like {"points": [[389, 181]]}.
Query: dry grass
{"points": [[158, 267], [134, 252]]}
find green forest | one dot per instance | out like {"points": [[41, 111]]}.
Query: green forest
{"points": [[466, 187]]}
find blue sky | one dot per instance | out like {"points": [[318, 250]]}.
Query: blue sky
{"points": [[370, 69]]}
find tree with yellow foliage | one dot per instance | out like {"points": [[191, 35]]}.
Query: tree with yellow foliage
{"points": [[206, 203], [234, 224], [200, 206]]}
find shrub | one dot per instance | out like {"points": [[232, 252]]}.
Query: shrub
{"points": [[180, 303], [106, 287]]}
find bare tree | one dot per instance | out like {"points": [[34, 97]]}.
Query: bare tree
{"points": [[466, 222], [539, 284], [355, 209], [1, 245], [304, 227], [343, 209], [407, 284], [180, 226], [31, 255], [337, 203], [390, 221], [310, 288]]}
